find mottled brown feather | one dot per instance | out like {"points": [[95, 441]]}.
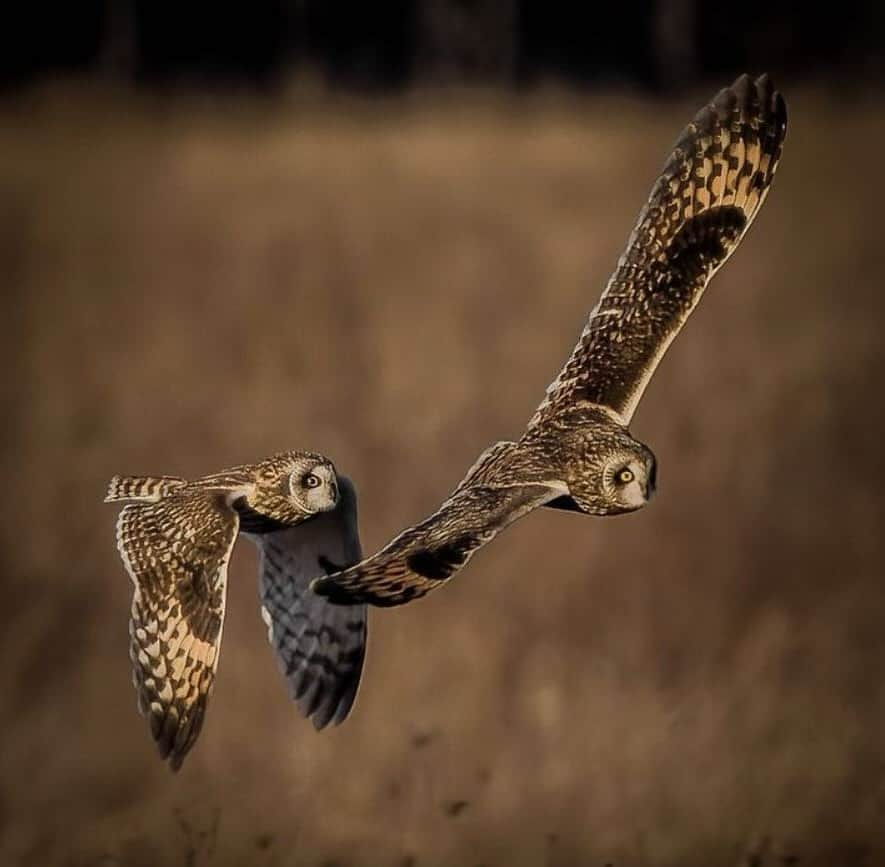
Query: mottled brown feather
{"points": [[176, 541], [711, 188], [700, 208], [176, 552], [427, 555]]}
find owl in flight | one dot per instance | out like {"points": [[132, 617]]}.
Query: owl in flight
{"points": [[577, 452], [175, 538]]}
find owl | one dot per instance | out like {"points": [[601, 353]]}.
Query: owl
{"points": [[577, 452], [175, 538]]}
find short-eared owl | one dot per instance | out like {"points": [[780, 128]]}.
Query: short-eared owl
{"points": [[176, 539], [577, 452]]}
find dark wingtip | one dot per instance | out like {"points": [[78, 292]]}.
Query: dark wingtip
{"points": [[320, 586], [759, 97], [347, 700], [723, 103], [323, 716], [334, 593], [338, 595], [743, 87], [769, 98], [780, 109], [310, 701], [764, 87]]}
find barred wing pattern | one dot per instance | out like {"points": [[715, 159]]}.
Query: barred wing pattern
{"points": [[320, 647], [427, 555], [150, 488], [176, 551], [710, 190]]}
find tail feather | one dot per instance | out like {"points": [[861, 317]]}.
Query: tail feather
{"points": [[146, 488]]}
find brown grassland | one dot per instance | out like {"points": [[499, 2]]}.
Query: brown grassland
{"points": [[191, 284]]}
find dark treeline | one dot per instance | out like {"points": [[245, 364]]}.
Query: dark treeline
{"points": [[659, 44]]}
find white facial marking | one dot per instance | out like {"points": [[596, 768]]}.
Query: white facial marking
{"points": [[315, 487]]}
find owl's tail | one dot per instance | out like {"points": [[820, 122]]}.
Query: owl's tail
{"points": [[147, 488]]}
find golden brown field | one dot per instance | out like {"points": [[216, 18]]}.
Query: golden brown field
{"points": [[191, 284]]}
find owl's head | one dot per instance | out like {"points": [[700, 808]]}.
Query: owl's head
{"points": [[290, 487], [619, 473], [312, 483], [628, 479]]}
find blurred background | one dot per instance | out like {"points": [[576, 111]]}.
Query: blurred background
{"points": [[376, 231]]}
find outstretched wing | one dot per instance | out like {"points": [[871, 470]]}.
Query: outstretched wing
{"points": [[176, 552], [320, 647], [429, 554], [710, 190]]}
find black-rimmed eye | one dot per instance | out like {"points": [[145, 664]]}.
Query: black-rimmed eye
{"points": [[625, 476], [311, 481]]}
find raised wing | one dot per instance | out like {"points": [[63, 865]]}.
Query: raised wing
{"points": [[320, 647], [176, 551], [424, 557], [711, 188]]}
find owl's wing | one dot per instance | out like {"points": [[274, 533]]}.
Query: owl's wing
{"points": [[427, 555], [711, 188], [176, 551], [320, 647]]}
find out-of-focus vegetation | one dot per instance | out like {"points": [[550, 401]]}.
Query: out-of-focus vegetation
{"points": [[189, 286]]}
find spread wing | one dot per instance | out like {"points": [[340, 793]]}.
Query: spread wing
{"points": [[429, 554], [711, 188], [320, 647], [176, 551]]}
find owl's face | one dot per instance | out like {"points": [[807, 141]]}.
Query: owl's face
{"points": [[619, 475], [290, 487], [313, 485], [627, 481]]}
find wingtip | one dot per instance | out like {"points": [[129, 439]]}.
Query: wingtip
{"points": [[770, 97], [111, 490], [780, 109], [319, 722], [335, 594], [311, 699], [753, 97], [743, 87], [331, 592]]}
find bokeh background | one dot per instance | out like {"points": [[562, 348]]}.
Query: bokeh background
{"points": [[376, 233]]}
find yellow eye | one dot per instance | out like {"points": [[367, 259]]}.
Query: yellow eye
{"points": [[311, 481], [625, 476]]}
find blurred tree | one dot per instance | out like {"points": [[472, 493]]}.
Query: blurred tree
{"points": [[293, 32], [361, 46], [583, 43], [462, 40], [674, 42], [118, 54], [874, 55], [666, 44]]}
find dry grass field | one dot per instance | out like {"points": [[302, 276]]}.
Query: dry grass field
{"points": [[190, 284]]}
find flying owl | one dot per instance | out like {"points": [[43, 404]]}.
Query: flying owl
{"points": [[176, 539], [577, 452]]}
